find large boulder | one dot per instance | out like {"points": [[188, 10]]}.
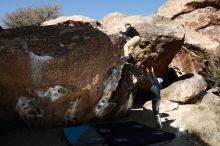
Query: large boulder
{"points": [[186, 90], [57, 74], [200, 19]]}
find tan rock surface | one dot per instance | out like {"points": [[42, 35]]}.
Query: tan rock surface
{"points": [[165, 105], [75, 20], [185, 91], [199, 18], [199, 40], [174, 8], [212, 31]]}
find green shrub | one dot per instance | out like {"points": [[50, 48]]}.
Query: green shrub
{"points": [[30, 16]]}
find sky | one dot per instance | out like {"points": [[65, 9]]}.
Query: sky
{"points": [[95, 9]]}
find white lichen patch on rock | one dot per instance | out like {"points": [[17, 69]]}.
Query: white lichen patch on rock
{"points": [[28, 109], [70, 115], [37, 63], [94, 82], [61, 45], [2, 47], [53, 93]]}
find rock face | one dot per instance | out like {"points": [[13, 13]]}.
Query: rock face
{"points": [[160, 36], [185, 91], [55, 75], [187, 61], [201, 20], [76, 20], [113, 22], [185, 6]]}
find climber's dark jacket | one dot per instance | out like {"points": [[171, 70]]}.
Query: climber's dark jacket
{"points": [[130, 32]]}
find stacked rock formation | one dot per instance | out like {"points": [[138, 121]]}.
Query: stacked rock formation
{"points": [[201, 22]]}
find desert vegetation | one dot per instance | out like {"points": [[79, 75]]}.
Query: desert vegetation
{"points": [[203, 123], [203, 120], [29, 16]]}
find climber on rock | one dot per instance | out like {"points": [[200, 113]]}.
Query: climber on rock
{"points": [[134, 40], [155, 85]]}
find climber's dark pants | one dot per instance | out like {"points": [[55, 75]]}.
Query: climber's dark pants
{"points": [[155, 94], [155, 106]]}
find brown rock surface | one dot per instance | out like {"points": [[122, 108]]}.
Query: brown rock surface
{"points": [[52, 75], [185, 91], [186, 61], [164, 43]]}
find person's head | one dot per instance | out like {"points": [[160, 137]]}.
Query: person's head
{"points": [[127, 25]]}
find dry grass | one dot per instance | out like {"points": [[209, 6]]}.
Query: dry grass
{"points": [[203, 123], [212, 69]]}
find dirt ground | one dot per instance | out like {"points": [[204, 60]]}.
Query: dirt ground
{"points": [[22, 136]]}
